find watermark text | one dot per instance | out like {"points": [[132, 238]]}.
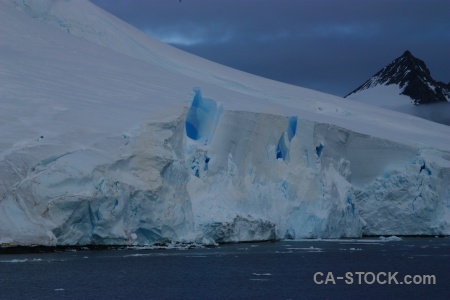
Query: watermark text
{"points": [[373, 278]]}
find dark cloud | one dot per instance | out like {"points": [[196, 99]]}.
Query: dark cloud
{"points": [[328, 45]]}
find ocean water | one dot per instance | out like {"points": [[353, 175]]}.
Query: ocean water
{"points": [[280, 270]]}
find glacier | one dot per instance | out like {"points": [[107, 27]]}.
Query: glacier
{"points": [[110, 137]]}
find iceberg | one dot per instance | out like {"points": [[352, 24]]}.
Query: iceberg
{"points": [[110, 137]]}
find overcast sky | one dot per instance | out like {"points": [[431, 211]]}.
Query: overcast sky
{"points": [[328, 45]]}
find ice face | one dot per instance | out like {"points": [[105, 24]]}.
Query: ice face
{"points": [[283, 147], [285, 139], [202, 118], [160, 184], [292, 128], [409, 199], [319, 150]]}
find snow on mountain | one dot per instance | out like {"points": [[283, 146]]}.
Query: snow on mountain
{"points": [[110, 137], [406, 85]]}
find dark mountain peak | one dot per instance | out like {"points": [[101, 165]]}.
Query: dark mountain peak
{"points": [[402, 71], [407, 53], [408, 59], [413, 77]]}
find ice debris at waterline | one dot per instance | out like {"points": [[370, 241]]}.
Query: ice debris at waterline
{"points": [[225, 183]]}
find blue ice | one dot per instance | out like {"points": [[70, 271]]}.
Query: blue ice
{"points": [[283, 145], [202, 118]]}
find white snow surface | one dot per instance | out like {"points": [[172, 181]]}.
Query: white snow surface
{"points": [[109, 136], [390, 97]]}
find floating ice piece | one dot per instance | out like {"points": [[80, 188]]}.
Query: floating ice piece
{"points": [[262, 274], [391, 238]]}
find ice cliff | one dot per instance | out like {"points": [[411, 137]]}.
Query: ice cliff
{"points": [[213, 175], [110, 143]]}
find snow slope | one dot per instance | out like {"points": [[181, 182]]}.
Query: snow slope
{"points": [[108, 136], [390, 97]]}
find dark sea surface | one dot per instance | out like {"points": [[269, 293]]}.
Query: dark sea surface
{"points": [[281, 270]]}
